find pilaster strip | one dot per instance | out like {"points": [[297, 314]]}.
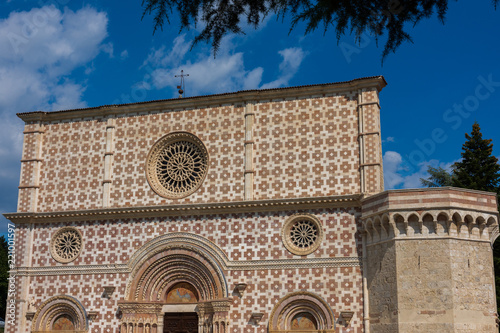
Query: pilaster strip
{"points": [[38, 165], [369, 140], [108, 162], [361, 142], [249, 144], [32, 187]]}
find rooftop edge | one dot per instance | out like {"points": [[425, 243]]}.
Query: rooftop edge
{"points": [[207, 100]]}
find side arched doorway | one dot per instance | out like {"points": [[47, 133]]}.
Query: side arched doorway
{"points": [[176, 287], [301, 311], [61, 313]]}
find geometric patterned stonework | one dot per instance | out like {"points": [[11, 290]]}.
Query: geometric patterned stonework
{"points": [[268, 214], [303, 147]]}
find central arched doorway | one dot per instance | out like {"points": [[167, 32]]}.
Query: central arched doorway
{"points": [[179, 298], [181, 322], [176, 286]]}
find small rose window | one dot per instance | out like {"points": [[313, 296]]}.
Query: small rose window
{"points": [[66, 244], [302, 234]]}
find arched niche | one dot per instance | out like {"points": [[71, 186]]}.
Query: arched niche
{"points": [[60, 313], [301, 309]]}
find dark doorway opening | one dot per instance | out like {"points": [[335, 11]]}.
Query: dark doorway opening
{"points": [[182, 322]]}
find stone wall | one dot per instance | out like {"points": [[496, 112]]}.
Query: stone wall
{"points": [[430, 264], [382, 284], [251, 249], [285, 143]]}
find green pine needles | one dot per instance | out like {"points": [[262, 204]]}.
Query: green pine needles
{"points": [[478, 169], [374, 17]]}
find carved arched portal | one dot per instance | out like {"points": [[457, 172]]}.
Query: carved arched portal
{"points": [[60, 313], [175, 274], [301, 311]]}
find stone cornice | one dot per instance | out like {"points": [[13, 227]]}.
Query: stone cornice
{"points": [[436, 208], [377, 82], [241, 265], [352, 200], [431, 189], [429, 199]]}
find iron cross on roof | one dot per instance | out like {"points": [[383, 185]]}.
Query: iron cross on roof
{"points": [[181, 86]]}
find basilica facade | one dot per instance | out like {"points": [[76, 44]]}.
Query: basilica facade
{"points": [[254, 211]]}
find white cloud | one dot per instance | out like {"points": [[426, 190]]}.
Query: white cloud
{"points": [[124, 55], [389, 139], [207, 75], [42, 46], [89, 68], [292, 58], [160, 58], [392, 166], [252, 79], [109, 49], [397, 176], [40, 49]]}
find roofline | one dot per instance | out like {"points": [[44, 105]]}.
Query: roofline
{"points": [[377, 82], [430, 189]]}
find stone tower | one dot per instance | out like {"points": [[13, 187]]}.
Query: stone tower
{"points": [[429, 260]]}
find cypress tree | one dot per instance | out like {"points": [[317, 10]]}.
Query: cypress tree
{"points": [[478, 169]]}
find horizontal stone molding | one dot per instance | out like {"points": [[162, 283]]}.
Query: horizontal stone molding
{"points": [[368, 133], [73, 270], [370, 103], [28, 186], [344, 201], [369, 164], [232, 265], [31, 160], [77, 331], [36, 131]]}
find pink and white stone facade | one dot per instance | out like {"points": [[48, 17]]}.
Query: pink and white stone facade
{"points": [[313, 151]]}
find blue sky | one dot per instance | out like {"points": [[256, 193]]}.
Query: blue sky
{"points": [[70, 54]]}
